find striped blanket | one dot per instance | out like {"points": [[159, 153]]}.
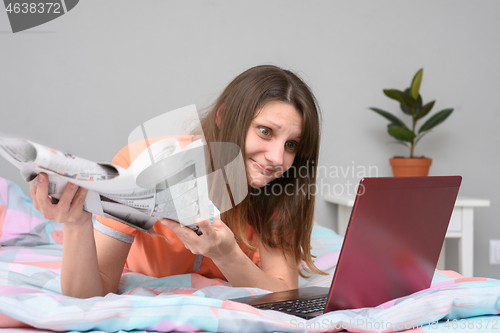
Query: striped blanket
{"points": [[31, 300]]}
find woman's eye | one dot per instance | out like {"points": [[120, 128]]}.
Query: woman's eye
{"points": [[265, 131], [291, 145]]}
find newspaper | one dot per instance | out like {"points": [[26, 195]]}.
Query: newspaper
{"points": [[164, 181]]}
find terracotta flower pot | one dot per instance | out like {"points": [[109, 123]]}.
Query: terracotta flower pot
{"points": [[410, 167]]}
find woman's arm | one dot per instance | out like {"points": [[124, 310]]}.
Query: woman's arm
{"points": [[278, 272], [91, 266], [92, 262]]}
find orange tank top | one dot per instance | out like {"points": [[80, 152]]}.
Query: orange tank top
{"points": [[154, 256]]}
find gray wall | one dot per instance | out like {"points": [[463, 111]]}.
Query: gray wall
{"points": [[82, 82]]}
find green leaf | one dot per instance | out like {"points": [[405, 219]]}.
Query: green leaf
{"points": [[425, 110], [406, 109], [418, 106], [400, 133], [400, 96], [435, 120], [415, 84], [389, 116]]}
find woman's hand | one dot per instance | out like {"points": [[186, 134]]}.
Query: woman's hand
{"points": [[69, 209], [216, 242]]}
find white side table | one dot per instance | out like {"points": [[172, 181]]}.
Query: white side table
{"points": [[461, 226]]}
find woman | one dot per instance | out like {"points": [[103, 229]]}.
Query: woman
{"points": [[272, 115]]}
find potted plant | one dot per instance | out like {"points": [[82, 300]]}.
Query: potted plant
{"points": [[412, 105]]}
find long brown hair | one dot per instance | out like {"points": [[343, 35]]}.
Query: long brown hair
{"points": [[281, 220]]}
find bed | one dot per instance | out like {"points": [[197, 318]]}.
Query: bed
{"points": [[31, 300]]}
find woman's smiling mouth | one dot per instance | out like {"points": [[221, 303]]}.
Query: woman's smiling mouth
{"points": [[265, 171]]}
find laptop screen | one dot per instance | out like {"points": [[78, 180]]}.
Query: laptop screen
{"points": [[393, 240]]}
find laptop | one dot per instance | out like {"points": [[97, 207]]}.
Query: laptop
{"points": [[390, 250]]}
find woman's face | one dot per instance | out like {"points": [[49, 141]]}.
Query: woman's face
{"points": [[271, 142]]}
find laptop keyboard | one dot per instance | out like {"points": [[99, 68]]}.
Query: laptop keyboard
{"points": [[300, 306]]}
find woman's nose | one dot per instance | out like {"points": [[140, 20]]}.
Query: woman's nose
{"points": [[275, 153]]}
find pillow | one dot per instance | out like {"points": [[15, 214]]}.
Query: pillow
{"points": [[20, 223]]}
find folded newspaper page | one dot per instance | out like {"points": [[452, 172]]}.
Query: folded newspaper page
{"points": [[164, 181]]}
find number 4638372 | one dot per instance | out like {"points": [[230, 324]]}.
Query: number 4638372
{"points": [[34, 8]]}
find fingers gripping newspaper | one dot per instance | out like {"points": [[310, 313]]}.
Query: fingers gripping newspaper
{"points": [[164, 181]]}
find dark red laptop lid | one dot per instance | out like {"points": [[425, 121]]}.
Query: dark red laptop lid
{"points": [[393, 241]]}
